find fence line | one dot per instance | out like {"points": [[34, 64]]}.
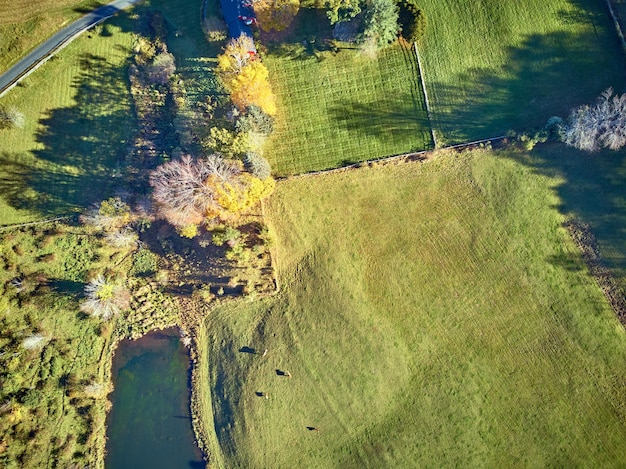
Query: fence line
{"points": [[389, 159], [616, 23], [33, 223], [426, 102]]}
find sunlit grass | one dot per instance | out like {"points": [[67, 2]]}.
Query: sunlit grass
{"points": [[78, 118], [345, 108], [426, 322]]}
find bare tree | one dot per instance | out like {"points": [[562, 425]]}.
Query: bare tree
{"points": [[182, 191], [601, 126]]}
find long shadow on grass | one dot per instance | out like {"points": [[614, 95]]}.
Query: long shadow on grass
{"points": [[594, 191], [82, 146], [546, 75]]}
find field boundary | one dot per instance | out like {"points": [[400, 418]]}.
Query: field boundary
{"points": [[426, 102], [33, 223], [423, 155]]}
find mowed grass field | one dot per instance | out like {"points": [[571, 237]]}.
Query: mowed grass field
{"points": [[345, 108], [425, 322], [26, 23], [78, 119], [497, 65]]}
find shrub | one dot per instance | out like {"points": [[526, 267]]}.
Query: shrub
{"points": [[105, 298], [227, 235], [111, 215], [255, 120], [412, 21], [257, 165], [215, 29], [145, 262], [10, 118]]}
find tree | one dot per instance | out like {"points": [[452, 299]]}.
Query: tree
{"points": [[275, 14], [245, 77], [105, 298], [412, 20], [162, 68], [603, 125], [188, 192], [381, 22], [342, 10]]}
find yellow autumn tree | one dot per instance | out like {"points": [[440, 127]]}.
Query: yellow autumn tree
{"points": [[188, 192], [245, 77], [275, 14]]}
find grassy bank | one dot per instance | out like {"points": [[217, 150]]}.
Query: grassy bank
{"points": [[512, 65], [425, 321], [24, 24]]}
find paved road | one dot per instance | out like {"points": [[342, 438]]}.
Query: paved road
{"points": [[44, 51]]}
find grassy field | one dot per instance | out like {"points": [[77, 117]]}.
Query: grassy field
{"points": [[427, 321], [26, 23], [78, 120], [342, 108], [512, 65]]}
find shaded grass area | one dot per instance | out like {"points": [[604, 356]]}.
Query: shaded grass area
{"points": [[592, 190], [340, 108], [425, 322], [78, 120], [26, 23], [512, 65]]}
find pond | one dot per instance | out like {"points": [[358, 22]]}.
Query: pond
{"points": [[149, 424]]}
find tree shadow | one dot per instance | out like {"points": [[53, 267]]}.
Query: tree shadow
{"points": [[82, 147], [546, 75]]}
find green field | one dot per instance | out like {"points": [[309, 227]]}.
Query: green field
{"points": [[497, 65], [78, 120], [335, 109], [427, 321], [26, 23]]}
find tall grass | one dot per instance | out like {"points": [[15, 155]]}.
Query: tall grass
{"points": [[493, 66], [425, 322]]}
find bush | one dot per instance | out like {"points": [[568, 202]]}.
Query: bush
{"points": [[215, 29], [10, 118], [255, 120], [145, 262], [412, 21], [105, 298], [257, 165], [227, 235]]}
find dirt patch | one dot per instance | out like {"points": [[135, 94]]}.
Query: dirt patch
{"points": [[588, 245]]}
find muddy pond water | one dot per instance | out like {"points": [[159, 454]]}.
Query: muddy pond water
{"points": [[149, 424]]}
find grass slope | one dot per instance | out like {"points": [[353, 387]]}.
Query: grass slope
{"points": [[26, 23], [425, 323], [345, 108], [492, 66], [78, 119]]}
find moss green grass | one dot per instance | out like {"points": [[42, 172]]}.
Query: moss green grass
{"points": [[344, 108], [425, 323], [492, 66]]}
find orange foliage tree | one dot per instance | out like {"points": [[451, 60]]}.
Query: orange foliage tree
{"points": [[275, 14], [245, 77]]}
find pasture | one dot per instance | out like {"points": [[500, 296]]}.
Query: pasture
{"points": [[512, 65], [78, 120], [26, 23], [426, 320], [343, 107]]}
